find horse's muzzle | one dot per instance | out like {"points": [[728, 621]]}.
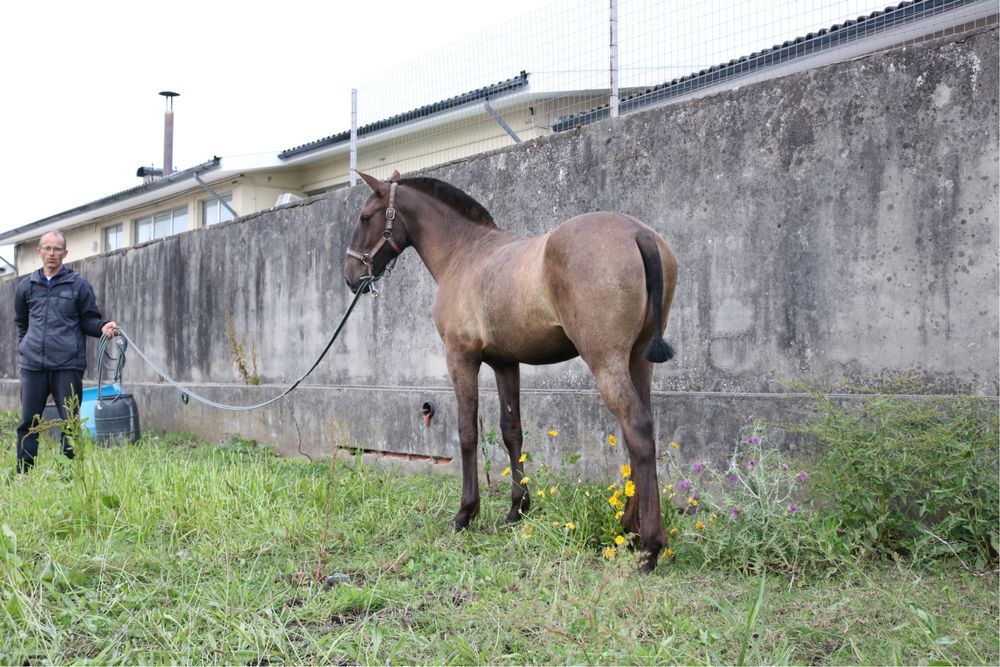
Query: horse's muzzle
{"points": [[360, 283]]}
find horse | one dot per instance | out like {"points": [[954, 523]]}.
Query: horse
{"points": [[598, 286]]}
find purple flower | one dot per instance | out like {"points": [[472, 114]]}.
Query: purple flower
{"points": [[683, 484], [698, 467], [751, 464], [749, 418], [754, 439], [734, 512], [784, 466], [793, 508], [802, 477], [732, 477]]}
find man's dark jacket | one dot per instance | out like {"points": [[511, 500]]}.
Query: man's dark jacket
{"points": [[52, 318]]}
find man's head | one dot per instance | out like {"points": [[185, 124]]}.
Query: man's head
{"points": [[52, 250]]}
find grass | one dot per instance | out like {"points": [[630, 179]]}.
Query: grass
{"points": [[175, 551]]}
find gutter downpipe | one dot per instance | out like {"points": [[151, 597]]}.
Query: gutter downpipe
{"points": [[215, 194]]}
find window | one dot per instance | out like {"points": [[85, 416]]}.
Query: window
{"points": [[213, 212], [161, 224], [114, 237]]}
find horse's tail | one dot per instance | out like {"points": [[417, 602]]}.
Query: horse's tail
{"points": [[658, 349]]}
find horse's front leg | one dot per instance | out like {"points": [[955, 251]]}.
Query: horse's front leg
{"points": [[464, 373], [509, 390]]}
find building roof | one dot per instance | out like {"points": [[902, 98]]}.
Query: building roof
{"points": [[485, 93], [808, 45], [153, 189]]}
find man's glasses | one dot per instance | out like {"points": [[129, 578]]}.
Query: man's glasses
{"points": [[50, 249]]}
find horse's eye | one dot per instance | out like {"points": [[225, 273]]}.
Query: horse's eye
{"points": [[365, 219]]}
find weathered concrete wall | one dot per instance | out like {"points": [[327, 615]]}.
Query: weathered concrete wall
{"points": [[835, 226]]}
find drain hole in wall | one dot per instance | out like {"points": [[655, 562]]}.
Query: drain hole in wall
{"points": [[427, 410]]}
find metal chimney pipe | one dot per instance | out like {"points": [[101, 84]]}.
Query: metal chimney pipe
{"points": [[168, 133]]}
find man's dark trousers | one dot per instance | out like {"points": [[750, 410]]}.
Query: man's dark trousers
{"points": [[36, 387]]}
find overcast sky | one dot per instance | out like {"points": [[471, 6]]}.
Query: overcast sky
{"points": [[80, 109]]}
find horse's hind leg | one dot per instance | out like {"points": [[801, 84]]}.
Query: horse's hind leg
{"points": [[627, 404], [509, 389], [641, 372]]}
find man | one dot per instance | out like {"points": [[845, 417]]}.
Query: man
{"points": [[54, 308]]}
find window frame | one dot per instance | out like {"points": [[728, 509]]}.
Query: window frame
{"points": [[119, 232], [178, 216], [222, 214]]}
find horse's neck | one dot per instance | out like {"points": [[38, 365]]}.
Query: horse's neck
{"points": [[446, 240]]}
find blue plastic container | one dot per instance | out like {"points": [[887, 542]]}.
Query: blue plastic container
{"points": [[90, 401]]}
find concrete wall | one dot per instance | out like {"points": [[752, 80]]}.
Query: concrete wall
{"points": [[834, 226]]}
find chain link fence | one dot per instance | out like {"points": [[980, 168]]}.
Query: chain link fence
{"points": [[577, 61]]}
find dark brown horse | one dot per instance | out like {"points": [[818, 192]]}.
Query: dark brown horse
{"points": [[599, 286]]}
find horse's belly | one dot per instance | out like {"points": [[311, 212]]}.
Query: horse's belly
{"points": [[530, 347]]}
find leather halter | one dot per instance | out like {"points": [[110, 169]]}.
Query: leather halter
{"points": [[368, 258]]}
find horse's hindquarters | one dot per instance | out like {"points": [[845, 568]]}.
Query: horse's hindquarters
{"points": [[594, 271]]}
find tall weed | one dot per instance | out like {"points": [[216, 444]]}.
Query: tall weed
{"points": [[914, 477]]}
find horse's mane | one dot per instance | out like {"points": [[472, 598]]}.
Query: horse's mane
{"points": [[452, 197]]}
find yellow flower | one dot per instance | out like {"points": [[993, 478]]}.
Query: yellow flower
{"points": [[626, 471], [620, 540], [699, 525], [552, 490], [610, 552], [670, 487], [553, 433], [674, 532], [612, 485], [505, 471], [524, 457], [693, 502], [541, 493], [619, 514], [671, 496], [668, 553], [525, 480], [612, 440], [630, 488], [711, 518], [616, 499], [570, 526], [675, 445]]}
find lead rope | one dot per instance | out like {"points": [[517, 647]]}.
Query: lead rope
{"points": [[102, 355], [366, 281]]}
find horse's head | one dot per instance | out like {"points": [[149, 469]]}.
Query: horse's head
{"points": [[378, 237]]}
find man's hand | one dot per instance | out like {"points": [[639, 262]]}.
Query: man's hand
{"points": [[109, 330]]}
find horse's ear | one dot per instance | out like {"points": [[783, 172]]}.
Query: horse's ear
{"points": [[375, 184], [395, 176]]}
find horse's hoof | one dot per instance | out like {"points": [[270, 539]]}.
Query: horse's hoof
{"points": [[461, 521], [513, 516], [647, 563]]}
